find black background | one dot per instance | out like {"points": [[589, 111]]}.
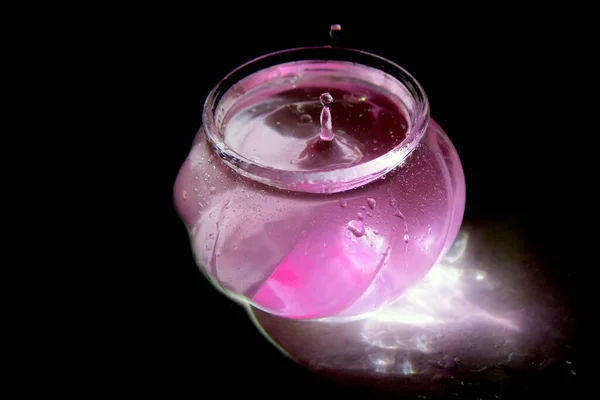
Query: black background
{"points": [[496, 83]]}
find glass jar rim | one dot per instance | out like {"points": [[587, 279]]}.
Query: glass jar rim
{"points": [[327, 181]]}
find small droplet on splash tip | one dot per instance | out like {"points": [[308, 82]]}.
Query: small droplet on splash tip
{"points": [[326, 99]]}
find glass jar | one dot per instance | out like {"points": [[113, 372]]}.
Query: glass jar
{"points": [[307, 228]]}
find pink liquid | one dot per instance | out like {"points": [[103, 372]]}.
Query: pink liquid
{"points": [[308, 255]]}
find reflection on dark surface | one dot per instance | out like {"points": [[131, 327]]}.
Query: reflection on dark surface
{"points": [[485, 317]]}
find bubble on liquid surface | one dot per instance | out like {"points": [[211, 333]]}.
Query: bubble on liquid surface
{"points": [[399, 214], [372, 203], [305, 119], [355, 97], [357, 228], [406, 238], [326, 99], [343, 203], [296, 108], [213, 190]]}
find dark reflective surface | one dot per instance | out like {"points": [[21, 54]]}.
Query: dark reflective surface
{"points": [[484, 318]]}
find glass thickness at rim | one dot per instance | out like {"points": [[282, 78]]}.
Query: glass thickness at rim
{"points": [[328, 181]]}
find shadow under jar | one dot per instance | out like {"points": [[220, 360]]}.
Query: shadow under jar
{"points": [[307, 228]]}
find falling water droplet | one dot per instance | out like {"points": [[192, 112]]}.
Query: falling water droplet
{"points": [[357, 228], [399, 214], [372, 203], [360, 216], [429, 230], [305, 119], [213, 190], [343, 203], [333, 30], [406, 238], [212, 235]]}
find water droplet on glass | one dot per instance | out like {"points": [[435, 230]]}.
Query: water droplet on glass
{"points": [[212, 235], [305, 119], [360, 216], [399, 214], [213, 190], [372, 203], [184, 195], [343, 203], [406, 238], [357, 228]]}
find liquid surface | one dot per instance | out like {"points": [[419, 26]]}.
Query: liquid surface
{"points": [[311, 123]]}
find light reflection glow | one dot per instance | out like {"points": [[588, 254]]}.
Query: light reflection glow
{"points": [[437, 300]]}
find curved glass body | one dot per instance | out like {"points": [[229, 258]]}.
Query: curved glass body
{"points": [[307, 229]]}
